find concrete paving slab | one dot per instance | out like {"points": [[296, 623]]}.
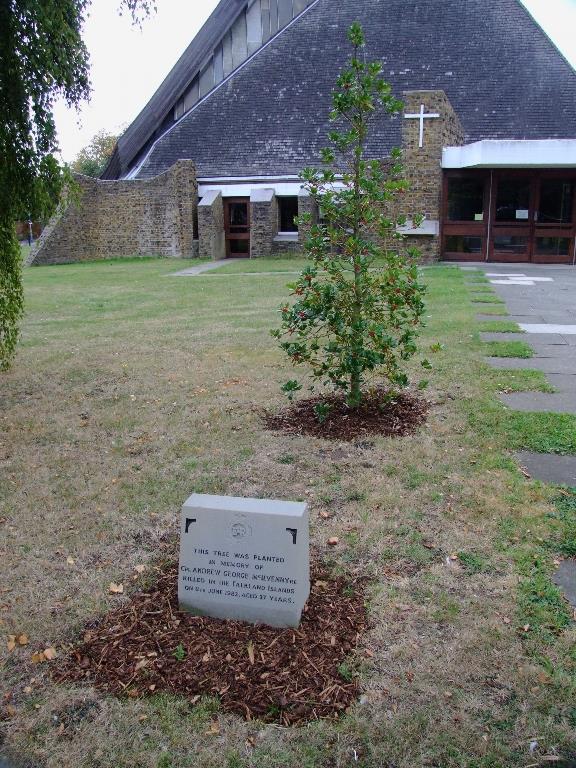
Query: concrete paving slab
{"points": [[563, 330], [545, 364], [550, 468], [540, 402], [563, 382], [531, 339], [565, 578], [547, 350]]}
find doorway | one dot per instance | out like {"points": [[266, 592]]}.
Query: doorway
{"points": [[237, 227]]}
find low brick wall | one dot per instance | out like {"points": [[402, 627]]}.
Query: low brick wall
{"points": [[152, 217]]}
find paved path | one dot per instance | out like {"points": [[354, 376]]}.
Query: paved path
{"points": [[542, 300], [199, 269]]}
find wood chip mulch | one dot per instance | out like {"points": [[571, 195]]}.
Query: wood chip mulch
{"points": [[380, 413], [286, 676]]}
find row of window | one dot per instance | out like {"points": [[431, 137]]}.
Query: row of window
{"points": [[468, 197], [508, 244], [260, 20]]}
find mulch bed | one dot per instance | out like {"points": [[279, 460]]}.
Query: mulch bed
{"points": [[287, 676], [380, 413]]}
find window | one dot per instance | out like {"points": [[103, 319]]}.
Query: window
{"points": [[510, 244], [513, 200], [465, 199], [556, 198], [287, 212], [463, 244], [207, 79], [553, 246]]}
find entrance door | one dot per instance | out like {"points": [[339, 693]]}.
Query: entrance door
{"points": [[237, 226], [512, 216]]}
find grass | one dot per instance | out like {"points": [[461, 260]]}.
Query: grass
{"points": [[490, 300], [519, 381], [499, 326], [133, 389], [509, 349], [499, 311]]}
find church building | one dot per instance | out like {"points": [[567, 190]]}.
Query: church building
{"points": [[210, 167]]}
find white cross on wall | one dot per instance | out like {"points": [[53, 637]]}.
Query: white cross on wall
{"points": [[422, 115]]}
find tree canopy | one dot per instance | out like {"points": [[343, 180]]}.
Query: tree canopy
{"points": [[42, 57], [92, 160], [358, 305]]}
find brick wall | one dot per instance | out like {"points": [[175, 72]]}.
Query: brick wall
{"points": [[212, 244], [154, 217], [423, 165], [263, 222]]}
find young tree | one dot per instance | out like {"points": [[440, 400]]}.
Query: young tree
{"points": [[359, 303], [92, 160], [42, 56]]}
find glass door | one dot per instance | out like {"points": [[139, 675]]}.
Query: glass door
{"points": [[554, 221], [237, 226], [512, 218]]}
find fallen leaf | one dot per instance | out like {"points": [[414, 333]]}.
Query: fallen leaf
{"points": [[38, 658], [116, 589], [228, 657], [324, 515], [11, 710], [207, 657], [142, 718], [214, 729], [11, 643], [139, 568], [333, 541], [28, 689], [506, 620], [22, 640], [50, 654], [70, 560], [251, 652]]}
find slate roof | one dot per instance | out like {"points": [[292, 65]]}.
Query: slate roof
{"points": [[157, 114], [502, 74]]}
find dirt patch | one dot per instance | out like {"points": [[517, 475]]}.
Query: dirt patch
{"points": [[287, 676], [381, 412]]}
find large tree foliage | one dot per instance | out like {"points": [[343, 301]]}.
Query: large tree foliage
{"points": [[42, 57], [92, 160], [359, 303]]}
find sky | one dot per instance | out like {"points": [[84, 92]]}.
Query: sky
{"points": [[128, 63]]}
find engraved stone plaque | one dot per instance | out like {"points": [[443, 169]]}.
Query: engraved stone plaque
{"points": [[244, 559]]}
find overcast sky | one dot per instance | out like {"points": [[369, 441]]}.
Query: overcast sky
{"points": [[128, 63]]}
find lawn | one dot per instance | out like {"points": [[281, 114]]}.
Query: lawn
{"points": [[133, 389]]}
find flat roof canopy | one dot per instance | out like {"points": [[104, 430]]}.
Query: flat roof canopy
{"points": [[492, 153]]}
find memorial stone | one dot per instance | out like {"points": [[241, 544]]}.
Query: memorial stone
{"points": [[244, 559]]}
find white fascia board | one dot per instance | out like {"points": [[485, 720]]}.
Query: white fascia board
{"points": [[492, 153], [281, 189]]}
